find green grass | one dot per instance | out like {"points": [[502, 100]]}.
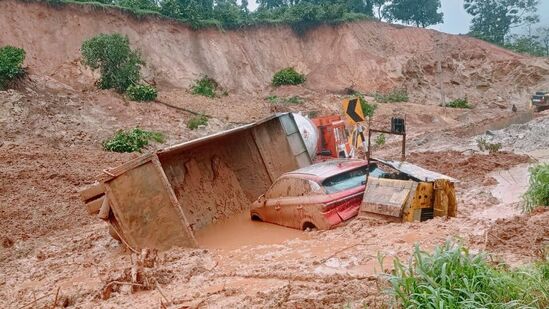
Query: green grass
{"points": [[395, 96], [380, 140], [484, 145], [368, 109], [132, 140], [197, 121], [293, 100], [205, 86], [141, 92], [459, 103], [538, 188], [453, 277]]}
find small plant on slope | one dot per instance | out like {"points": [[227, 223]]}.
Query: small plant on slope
{"points": [[205, 86], [367, 109], [11, 61], [132, 140], [459, 103], [288, 76], [380, 140], [395, 96], [197, 121], [538, 189], [452, 277], [140, 92]]}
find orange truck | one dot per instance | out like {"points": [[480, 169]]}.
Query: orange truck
{"points": [[333, 140]]}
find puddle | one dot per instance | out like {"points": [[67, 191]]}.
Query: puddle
{"points": [[511, 185], [239, 231]]}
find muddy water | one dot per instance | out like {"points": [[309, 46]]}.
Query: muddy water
{"points": [[239, 231]]}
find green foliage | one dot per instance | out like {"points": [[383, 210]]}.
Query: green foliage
{"points": [[197, 121], [538, 189], [484, 145], [459, 103], [293, 100], [205, 86], [453, 277], [395, 96], [149, 5], [421, 13], [11, 64], [132, 140], [380, 140], [367, 109], [118, 63], [492, 20], [288, 76], [526, 44], [141, 92]]}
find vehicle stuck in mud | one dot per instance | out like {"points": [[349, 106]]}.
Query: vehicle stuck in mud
{"points": [[318, 196]]}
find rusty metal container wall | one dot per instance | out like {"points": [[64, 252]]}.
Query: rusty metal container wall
{"points": [[160, 199], [144, 207], [221, 177], [216, 180]]}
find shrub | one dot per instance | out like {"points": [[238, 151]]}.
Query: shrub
{"points": [[380, 140], [367, 109], [288, 76], [538, 189], [395, 96], [118, 63], [132, 140], [11, 62], [452, 277], [197, 121], [205, 86], [140, 92], [459, 103], [483, 145]]}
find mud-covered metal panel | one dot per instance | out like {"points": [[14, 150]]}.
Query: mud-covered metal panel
{"points": [[281, 146], [141, 202], [218, 179], [385, 197]]}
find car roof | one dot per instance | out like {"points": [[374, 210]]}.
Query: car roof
{"points": [[323, 170]]}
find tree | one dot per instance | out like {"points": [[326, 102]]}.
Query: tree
{"points": [[378, 5], [421, 13], [138, 4], [543, 38], [118, 63], [493, 19]]}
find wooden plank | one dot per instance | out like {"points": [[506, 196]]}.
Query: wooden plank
{"points": [[105, 209], [94, 206], [92, 192], [111, 173]]}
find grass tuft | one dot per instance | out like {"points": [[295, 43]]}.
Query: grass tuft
{"points": [[132, 140], [453, 277], [197, 121], [395, 96], [459, 103], [538, 189], [205, 86]]}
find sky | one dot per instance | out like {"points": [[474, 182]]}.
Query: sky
{"points": [[457, 21]]}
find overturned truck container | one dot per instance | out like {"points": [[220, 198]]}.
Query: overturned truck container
{"points": [[159, 200]]}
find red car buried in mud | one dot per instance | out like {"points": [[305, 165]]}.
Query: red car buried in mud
{"points": [[318, 196]]}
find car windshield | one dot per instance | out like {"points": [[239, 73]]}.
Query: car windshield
{"points": [[344, 181]]}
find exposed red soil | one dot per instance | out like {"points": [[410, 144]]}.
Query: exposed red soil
{"points": [[522, 235], [466, 166]]}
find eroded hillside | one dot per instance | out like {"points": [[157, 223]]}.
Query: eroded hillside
{"points": [[367, 56]]}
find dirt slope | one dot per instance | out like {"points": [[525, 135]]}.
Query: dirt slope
{"points": [[369, 56]]}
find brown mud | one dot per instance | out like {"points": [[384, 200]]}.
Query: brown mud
{"points": [[52, 126]]}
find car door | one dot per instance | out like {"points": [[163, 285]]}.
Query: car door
{"points": [[286, 203]]}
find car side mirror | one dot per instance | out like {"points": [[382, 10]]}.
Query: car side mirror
{"points": [[262, 199]]}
